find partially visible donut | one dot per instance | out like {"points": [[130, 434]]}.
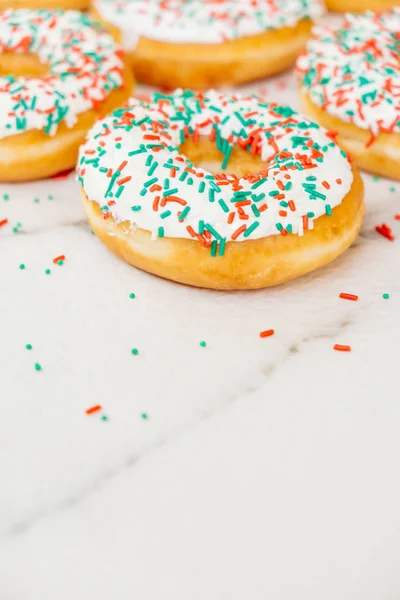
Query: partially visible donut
{"points": [[200, 44], [350, 82], [361, 5], [284, 199], [44, 4], [58, 72]]}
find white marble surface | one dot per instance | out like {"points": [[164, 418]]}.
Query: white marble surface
{"points": [[267, 469]]}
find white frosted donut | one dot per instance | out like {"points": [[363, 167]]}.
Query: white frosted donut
{"points": [[350, 81], [59, 70], [141, 189], [200, 43]]}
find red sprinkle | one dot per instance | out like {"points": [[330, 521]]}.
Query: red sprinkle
{"points": [[386, 231], [267, 333], [3, 222], [341, 348], [57, 258], [348, 296], [397, 217], [93, 409]]}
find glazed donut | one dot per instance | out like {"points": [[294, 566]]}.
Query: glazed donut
{"points": [[360, 5], [58, 72], [200, 44], [293, 204], [350, 82]]}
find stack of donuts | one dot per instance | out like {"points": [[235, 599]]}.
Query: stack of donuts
{"points": [[197, 181]]}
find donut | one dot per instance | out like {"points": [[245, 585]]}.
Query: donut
{"points": [[360, 5], [216, 191], [350, 82], [201, 44], [45, 4], [59, 71]]}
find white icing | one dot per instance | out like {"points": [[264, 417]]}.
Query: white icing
{"points": [[201, 21], [110, 142]]}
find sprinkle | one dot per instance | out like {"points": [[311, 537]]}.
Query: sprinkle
{"points": [[341, 348], [135, 351], [386, 296], [22, 266], [267, 333], [144, 416], [203, 344], [132, 295], [386, 231], [3, 222], [348, 296], [47, 271], [38, 367], [93, 409], [29, 346], [58, 258]]}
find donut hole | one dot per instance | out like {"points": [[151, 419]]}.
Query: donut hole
{"points": [[22, 65], [207, 156]]}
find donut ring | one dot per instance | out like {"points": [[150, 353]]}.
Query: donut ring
{"points": [[203, 44], [350, 82], [58, 72], [293, 205], [360, 5]]}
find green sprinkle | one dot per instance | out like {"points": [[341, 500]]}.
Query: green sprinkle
{"points": [[392, 189], [38, 367], [6, 197], [29, 346], [135, 351], [60, 262], [104, 418], [386, 296], [132, 295], [22, 266], [47, 271], [161, 232], [203, 344], [184, 213], [250, 229], [144, 416], [50, 197], [136, 207], [328, 210]]}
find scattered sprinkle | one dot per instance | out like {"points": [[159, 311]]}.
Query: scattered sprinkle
{"points": [[386, 231], [144, 416], [203, 344], [38, 367], [22, 266], [348, 296], [132, 295], [341, 348], [93, 409], [29, 346], [135, 351], [47, 271], [57, 259], [386, 296], [267, 333]]}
